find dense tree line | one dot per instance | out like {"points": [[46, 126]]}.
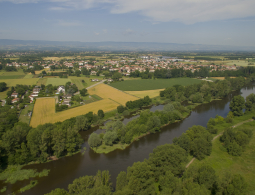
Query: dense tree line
{"points": [[148, 122], [204, 91], [139, 103], [3, 86]]}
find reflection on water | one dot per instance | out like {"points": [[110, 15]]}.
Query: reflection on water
{"points": [[65, 170]]}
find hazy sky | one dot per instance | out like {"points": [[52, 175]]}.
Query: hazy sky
{"points": [[217, 22]]}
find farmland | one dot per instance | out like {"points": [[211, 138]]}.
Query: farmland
{"points": [[14, 82], [12, 75], [77, 81], [107, 92], [57, 81], [44, 110], [142, 94], [149, 84]]}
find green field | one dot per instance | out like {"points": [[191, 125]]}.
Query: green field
{"points": [[14, 82], [77, 82], [150, 84], [222, 162], [29, 76], [239, 63], [12, 75], [57, 81]]}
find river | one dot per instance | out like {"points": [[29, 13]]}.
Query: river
{"points": [[66, 169]]}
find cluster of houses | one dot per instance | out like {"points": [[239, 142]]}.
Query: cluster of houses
{"points": [[127, 65]]}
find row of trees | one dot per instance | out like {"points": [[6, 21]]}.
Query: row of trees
{"points": [[139, 103], [147, 122]]}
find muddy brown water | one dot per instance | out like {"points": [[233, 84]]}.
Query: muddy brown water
{"points": [[66, 169]]}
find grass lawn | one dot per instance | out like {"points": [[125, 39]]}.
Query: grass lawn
{"points": [[23, 117], [222, 162], [106, 149], [57, 81], [12, 75], [150, 84]]}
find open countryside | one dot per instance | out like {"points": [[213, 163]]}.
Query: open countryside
{"points": [[108, 92], [142, 94], [149, 84], [44, 110]]}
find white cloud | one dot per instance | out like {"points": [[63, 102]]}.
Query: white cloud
{"points": [[185, 11], [96, 33]]}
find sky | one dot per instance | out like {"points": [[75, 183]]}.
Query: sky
{"points": [[211, 22]]}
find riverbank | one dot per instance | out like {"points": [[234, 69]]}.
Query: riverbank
{"points": [[223, 163], [105, 149]]}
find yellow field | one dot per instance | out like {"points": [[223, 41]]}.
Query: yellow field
{"points": [[14, 82], [142, 94], [58, 58], [44, 110], [105, 92], [220, 78]]}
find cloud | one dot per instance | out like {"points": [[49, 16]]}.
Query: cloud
{"points": [[128, 32], [185, 11], [105, 31], [96, 33]]}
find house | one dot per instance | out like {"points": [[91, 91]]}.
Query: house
{"points": [[14, 94], [60, 89], [68, 96], [31, 98], [93, 72], [15, 100], [94, 80], [36, 90], [67, 102], [110, 80]]}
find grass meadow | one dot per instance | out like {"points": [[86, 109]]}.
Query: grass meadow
{"points": [[239, 63], [108, 92], [224, 163], [23, 117], [150, 84], [44, 110], [142, 94]]}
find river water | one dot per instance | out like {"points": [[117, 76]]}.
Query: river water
{"points": [[65, 170]]}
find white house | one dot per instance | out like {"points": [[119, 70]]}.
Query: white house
{"points": [[60, 89]]}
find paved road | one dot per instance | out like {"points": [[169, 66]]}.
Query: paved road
{"points": [[95, 84]]}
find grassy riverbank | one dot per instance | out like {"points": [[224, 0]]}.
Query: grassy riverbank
{"points": [[224, 163]]}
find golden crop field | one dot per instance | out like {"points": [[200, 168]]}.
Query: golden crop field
{"points": [[58, 58], [14, 82], [142, 94], [221, 78], [107, 92], [44, 110]]}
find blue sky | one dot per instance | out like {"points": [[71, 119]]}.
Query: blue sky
{"points": [[216, 22]]}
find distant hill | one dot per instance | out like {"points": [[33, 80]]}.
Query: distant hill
{"points": [[113, 46]]}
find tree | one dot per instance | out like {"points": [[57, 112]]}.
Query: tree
{"points": [[100, 113], [82, 123], [120, 109], [3, 86], [237, 105], [110, 137], [116, 76], [140, 177], [83, 92], [121, 180], [94, 140]]}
